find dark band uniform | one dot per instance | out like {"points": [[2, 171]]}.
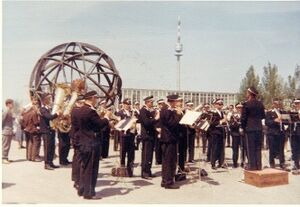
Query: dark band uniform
{"points": [[75, 142], [89, 148], [182, 144], [276, 138], [235, 124], [148, 131], [169, 138], [127, 141], [217, 133], [295, 139], [252, 113], [48, 135]]}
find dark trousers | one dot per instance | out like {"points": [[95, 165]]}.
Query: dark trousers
{"points": [[105, 145], [32, 144], [63, 147], [209, 147], [295, 144], [76, 166], [158, 151], [236, 142], [244, 153], [253, 139], [147, 156], [228, 137], [182, 151], [49, 147], [276, 147], [204, 141], [89, 166], [116, 136], [127, 148], [169, 161], [217, 149], [191, 147]]}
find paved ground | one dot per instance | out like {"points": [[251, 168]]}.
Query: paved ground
{"points": [[28, 183]]}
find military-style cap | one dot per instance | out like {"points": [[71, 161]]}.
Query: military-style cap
{"points": [[136, 103], [126, 101], [172, 97], [296, 100], [189, 102], [160, 101], [253, 91], [148, 98], [90, 94], [218, 101]]}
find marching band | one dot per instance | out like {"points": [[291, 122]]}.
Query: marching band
{"points": [[163, 136]]}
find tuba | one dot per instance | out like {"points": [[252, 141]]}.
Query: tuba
{"points": [[63, 123]]}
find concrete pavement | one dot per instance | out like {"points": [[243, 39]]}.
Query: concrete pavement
{"points": [[28, 183]]}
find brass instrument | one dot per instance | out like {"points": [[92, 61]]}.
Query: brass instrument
{"points": [[63, 123], [279, 117]]}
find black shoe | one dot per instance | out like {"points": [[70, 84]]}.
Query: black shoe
{"points": [[54, 166], [48, 167], [235, 165], [162, 185], [214, 167], [191, 161], [146, 176], [65, 163], [242, 165], [92, 197], [130, 172], [171, 187]]}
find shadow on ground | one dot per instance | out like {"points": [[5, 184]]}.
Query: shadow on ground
{"points": [[7, 185]]}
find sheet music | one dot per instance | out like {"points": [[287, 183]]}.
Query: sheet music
{"points": [[125, 124], [190, 117]]}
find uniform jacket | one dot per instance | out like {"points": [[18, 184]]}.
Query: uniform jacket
{"points": [[45, 118], [273, 127], [169, 125], [252, 113], [215, 127], [74, 124], [148, 123], [124, 115], [89, 124]]}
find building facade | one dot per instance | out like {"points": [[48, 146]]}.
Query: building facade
{"points": [[195, 96]]}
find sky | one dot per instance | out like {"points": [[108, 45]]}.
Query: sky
{"points": [[220, 40]]}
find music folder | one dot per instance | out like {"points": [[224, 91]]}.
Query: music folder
{"points": [[125, 124], [190, 117]]}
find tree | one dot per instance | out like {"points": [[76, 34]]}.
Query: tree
{"points": [[251, 79], [290, 87], [272, 84]]}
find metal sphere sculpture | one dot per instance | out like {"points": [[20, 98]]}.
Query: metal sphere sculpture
{"points": [[71, 61]]}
